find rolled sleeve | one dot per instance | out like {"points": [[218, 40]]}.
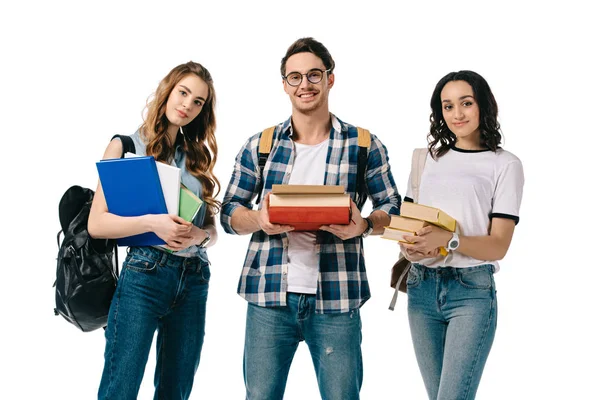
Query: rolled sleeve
{"points": [[243, 184], [380, 181]]}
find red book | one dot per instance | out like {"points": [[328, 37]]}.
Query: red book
{"points": [[307, 207]]}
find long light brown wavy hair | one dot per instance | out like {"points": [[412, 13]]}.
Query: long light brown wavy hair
{"points": [[198, 139]]}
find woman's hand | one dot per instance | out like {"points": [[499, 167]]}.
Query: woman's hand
{"points": [[413, 256], [171, 228], [428, 239]]}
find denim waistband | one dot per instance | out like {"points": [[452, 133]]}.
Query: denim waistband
{"points": [[426, 272], [168, 260]]}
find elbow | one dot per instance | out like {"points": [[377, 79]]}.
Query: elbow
{"points": [[501, 253], [94, 229]]}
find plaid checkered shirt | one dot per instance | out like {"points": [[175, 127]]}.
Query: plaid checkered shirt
{"points": [[342, 280]]}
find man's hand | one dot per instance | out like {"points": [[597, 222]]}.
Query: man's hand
{"points": [[355, 228], [263, 220]]}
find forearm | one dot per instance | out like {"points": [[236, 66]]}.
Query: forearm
{"points": [[244, 221], [380, 220], [110, 226], [483, 247]]}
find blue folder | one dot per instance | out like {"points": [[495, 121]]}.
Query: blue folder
{"points": [[132, 188]]}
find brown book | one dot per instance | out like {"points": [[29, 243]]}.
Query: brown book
{"points": [[432, 215]]}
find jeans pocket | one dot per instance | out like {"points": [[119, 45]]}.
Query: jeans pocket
{"points": [[139, 263], [413, 278], [475, 278], [205, 273]]}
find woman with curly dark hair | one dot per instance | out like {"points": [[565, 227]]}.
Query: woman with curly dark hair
{"points": [[164, 289], [452, 305]]}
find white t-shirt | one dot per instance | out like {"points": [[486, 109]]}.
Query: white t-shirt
{"points": [[472, 186], [303, 258]]}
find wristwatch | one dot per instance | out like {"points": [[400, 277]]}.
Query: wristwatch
{"points": [[369, 229], [453, 243], [206, 239]]}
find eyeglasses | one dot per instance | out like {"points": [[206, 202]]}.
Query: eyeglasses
{"points": [[315, 75]]}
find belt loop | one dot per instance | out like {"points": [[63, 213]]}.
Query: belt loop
{"points": [[164, 259]]}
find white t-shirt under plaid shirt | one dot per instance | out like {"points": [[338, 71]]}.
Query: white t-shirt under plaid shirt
{"points": [[342, 280]]}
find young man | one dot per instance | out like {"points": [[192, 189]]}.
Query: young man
{"points": [[306, 285]]}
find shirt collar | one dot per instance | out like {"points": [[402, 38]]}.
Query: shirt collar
{"points": [[288, 129]]}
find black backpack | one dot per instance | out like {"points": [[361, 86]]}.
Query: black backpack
{"points": [[86, 277]]}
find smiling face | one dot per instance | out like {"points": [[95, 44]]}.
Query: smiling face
{"points": [[186, 100], [460, 111], [307, 97]]}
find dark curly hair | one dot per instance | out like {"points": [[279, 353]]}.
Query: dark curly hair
{"points": [[441, 138]]}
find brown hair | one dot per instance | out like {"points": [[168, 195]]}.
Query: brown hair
{"points": [[308, 45], [199, 143]]}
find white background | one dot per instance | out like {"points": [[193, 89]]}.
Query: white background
{"points": [[74, 74]]}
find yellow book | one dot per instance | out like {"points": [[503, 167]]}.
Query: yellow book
{"points": [[432, 215], [396, 234], [407, 224]]}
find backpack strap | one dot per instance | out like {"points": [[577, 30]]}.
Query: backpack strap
{"points": [[264, 149], [418, 165], [364, 144], [419, 158], [128, 145]]}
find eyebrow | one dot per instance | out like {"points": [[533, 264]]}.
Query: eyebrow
{"points": [[460, 98], [190, 92]]}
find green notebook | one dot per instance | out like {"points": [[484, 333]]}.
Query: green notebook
{"points": [[189, 204]]}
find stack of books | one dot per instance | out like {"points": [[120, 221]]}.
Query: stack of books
{"points": [[413, 217], [308, 207], [138, 185]]}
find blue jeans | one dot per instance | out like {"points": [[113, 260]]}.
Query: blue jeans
{"points": [[156, 290], [452, 315], [272, 337]]}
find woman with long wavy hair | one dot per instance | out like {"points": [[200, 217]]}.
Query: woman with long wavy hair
{"points": [[159, 289], [452, 304]]}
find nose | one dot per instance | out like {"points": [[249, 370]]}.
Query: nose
{"points": [[305, 83], [458, 113]]}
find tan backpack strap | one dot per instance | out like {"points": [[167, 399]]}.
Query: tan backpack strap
{"points": [[418, 165], [266, 140], [364, 137]]}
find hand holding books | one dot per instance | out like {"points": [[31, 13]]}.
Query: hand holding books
{"points": [[422, 231], [268, 226]]}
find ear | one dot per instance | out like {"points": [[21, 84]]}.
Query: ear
{"points": [[330, 80]]}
